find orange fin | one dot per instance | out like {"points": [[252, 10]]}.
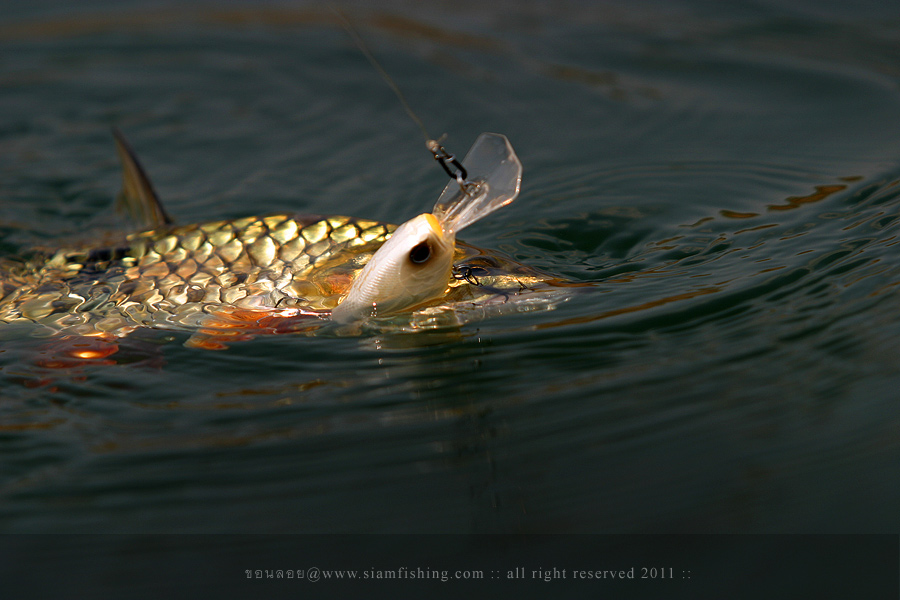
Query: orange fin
{"points": [[229, 324]]}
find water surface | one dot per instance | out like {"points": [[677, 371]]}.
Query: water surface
{"points": [[727, 178]]}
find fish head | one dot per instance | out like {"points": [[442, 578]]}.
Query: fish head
{"points": [[413, 266]]}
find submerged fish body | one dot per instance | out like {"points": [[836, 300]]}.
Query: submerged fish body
{"points": [[228, 279]]}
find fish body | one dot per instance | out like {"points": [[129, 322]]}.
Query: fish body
{"points": [[172, 275], [195, 277], [231, 278]]}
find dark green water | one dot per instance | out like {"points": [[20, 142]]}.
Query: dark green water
{"points": [[727, 177]]}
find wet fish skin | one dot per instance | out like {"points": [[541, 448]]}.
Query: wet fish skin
{"points": [[229, 279], [175, 274]]}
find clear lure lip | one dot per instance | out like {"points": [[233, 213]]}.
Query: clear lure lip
{"points": [[496, 172]]}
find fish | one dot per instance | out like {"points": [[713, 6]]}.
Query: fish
{"points": [[230, 280]]}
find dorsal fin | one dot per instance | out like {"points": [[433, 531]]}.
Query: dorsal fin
{"points": [[138, 198]]}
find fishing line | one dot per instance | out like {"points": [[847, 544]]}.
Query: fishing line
{"points": [[440, 154]]}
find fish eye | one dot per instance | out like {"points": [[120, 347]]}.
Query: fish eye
{"points": [[420, 253]]}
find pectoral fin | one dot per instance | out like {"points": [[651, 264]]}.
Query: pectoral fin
{"points": [[138, 199]]}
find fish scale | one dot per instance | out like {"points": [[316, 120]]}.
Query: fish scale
{"points": [[177, 274]]}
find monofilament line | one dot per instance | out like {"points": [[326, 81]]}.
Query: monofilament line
{"points": [[348, 26]]}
